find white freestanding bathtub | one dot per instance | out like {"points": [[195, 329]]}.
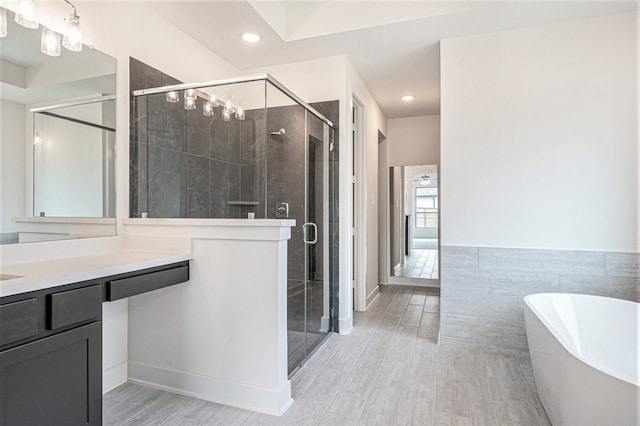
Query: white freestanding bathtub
{"points": [[586, 358]]}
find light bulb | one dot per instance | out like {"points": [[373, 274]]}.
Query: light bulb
{"points": [[26, 14], [240, 113], [190, 94], [36, 139], [226, 114], [173, 97], [3, 22], [189, 103], [72, 39], [50, 44], [207, 109]]}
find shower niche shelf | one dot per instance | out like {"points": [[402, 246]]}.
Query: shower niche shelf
{"points": [[242, 203]]}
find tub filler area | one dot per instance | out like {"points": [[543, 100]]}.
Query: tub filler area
{"points": [[586, 357]]}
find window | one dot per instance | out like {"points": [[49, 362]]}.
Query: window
{"points": [[426, 207]]}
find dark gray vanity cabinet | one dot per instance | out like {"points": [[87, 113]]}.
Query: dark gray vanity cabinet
{"points": [[51, 347], [51, 356]]}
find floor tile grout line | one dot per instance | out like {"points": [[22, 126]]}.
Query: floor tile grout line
{"points": [[385, 355], [435, 385], [405, 383], [388, 351], [356, 362], [324, 366]]}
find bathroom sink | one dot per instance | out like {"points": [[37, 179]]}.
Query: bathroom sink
{"points": [[4, 277]]}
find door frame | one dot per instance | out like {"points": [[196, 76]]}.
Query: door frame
{"points": [[359, 174]]}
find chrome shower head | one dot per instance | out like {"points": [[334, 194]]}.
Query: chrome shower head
{"points": [[278, 136]]}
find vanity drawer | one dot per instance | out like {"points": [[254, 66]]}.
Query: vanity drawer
{"points": [[19, 320], [74, 306], [120, 288]]}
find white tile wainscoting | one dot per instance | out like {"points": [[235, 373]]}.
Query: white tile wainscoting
{"points": [[482, 287]]}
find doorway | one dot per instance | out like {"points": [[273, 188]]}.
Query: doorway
{"points": [[414, 225]]}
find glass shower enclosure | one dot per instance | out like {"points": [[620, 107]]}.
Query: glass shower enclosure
{"points": [[246, 148]]}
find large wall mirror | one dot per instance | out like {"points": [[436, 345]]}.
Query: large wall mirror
{"points": [[57, 146], [413, 225]]}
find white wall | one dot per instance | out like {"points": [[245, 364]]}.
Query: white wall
{"points": [[414, 140], [12, 163], [539, 137], [375, 121]]}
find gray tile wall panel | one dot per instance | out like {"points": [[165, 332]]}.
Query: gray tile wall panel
{"points": [[480, 305], [626, 265], [483, 287], [458, 257]]}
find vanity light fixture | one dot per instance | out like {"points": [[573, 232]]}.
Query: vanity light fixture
{"points": [[425, 180], [189, 103], [3, 22], [27, 13], [190, 99], [240, 113], [408, 98], [72, 39], [207, 108], [50, 44], [173, 97], [226, 112], [251, 37], [209, 105], [190, 94]]}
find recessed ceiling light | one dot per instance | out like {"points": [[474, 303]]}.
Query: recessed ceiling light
{"points": [[408, 98], [251, 37]]}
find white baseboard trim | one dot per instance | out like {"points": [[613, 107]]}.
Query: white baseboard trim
{"points": [[250, 397], [420, 282], [114, 376], [324, 324], [345, 325], [397, 269], [373, 296]]}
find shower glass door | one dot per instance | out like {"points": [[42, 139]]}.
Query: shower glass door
{"points": [[316, 235], [298, 182]]}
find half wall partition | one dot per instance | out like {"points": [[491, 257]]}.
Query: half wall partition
{"points": [[247, 148]]}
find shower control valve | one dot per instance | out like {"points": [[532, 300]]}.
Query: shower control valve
{"points": [[282, 211]]}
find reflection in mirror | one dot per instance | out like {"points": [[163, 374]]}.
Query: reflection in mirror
{"points": [[57, 140], [73, 151], [413, 222]]}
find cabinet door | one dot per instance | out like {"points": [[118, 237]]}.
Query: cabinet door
{"points": [[53, 381]]}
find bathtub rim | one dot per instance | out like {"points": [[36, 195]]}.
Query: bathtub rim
{"points": [[566, 345]]}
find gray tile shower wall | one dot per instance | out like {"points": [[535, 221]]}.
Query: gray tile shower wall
{"points": [[482, 288], [183, 164]]}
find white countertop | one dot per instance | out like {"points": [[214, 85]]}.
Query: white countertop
{"points": [[67, 270]]}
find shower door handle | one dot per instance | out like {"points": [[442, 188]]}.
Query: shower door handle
{"points": [[315, 233]]}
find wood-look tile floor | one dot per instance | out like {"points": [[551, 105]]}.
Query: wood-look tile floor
{"points": [[423, 263], [388, 371]]}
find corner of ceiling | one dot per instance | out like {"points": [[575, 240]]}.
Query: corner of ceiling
{"points": [[273, 13]]}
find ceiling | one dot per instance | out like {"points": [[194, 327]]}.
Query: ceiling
{"points": [[393, 45]]}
